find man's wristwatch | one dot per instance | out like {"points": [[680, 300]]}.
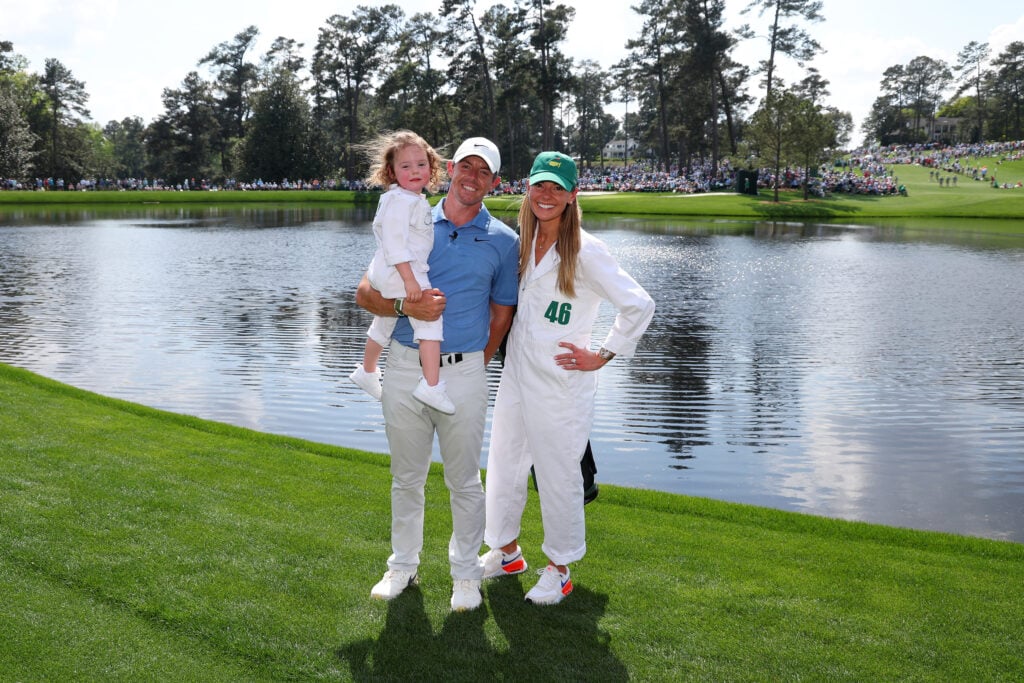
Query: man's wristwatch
{"points": [[398, 309], [605, 354]]}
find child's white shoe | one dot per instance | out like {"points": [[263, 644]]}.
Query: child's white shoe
{"points": [[434, 396], [367, 381]]}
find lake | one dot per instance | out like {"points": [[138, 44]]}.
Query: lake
{"points": [[864, 372]]}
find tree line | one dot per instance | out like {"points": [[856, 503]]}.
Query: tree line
{"points": [[986, 103], [499, 72]]}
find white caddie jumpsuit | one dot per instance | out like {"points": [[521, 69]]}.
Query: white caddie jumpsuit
{"points": [[543, 414]]}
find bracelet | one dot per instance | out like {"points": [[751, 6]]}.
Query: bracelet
{"points": [[398, 308], [605, 354]]}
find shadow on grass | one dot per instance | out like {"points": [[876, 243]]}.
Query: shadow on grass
{"points": [[790, 207], [544, 643], [407, 649], [562, 642]]}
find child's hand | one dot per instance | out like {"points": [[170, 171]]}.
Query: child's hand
{"points": [[413, 292]]}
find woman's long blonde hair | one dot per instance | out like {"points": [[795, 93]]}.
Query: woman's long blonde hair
{"points": [[567, 246], [381, 153]]}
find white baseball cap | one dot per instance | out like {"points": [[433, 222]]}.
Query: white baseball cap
{"points": [[479, 147]]}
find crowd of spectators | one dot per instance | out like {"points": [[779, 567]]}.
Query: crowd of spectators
{"points": [[644, 177], [860, 178], [636, 177], [866, 171], [315, 184], [189, 184], [843, 177], [963, 160]]}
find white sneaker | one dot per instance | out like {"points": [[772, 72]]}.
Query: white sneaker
{"points": [[367, 381], [552, 587], [497, 563], [394, 582], [434, 396], [466, 595]]}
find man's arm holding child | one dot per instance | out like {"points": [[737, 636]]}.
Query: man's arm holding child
{"points": [[430, 307]]}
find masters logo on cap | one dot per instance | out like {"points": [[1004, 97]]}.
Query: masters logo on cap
{"points": [[554, 167]]}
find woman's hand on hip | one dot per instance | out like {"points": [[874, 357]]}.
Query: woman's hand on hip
{"points": [[578, 358]]}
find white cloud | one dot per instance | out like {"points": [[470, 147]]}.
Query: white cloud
{"points": [[1005, 34], [21, 18]]}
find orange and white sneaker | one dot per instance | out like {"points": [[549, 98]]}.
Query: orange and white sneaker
{"points": [[552, 587], [496, 563]]}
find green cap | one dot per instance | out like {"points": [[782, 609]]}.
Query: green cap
{"points": [[556, 167]]}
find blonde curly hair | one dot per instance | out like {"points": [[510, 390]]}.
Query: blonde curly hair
{"points": [[381, 153]]}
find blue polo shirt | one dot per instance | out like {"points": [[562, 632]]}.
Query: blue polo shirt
{"points": [[474, 265]]}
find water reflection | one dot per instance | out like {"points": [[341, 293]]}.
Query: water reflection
{"points": [[863, 372]]}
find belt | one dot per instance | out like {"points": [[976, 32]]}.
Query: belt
{"points": [[449, 358]]}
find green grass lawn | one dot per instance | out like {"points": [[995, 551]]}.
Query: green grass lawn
{"points": [[968, 200], [141, 545]]}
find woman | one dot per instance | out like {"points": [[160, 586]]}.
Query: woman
{"points": [[545, 403]]}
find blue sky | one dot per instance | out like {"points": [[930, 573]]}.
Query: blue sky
{"points": [[128, 52]]}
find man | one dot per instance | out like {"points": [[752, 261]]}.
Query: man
{"points": [[474, 271]]}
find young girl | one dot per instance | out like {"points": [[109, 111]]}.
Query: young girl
{"points": [[404, 229]]}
